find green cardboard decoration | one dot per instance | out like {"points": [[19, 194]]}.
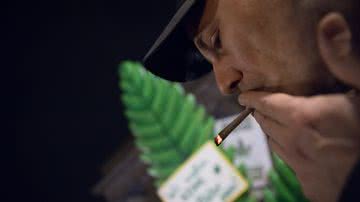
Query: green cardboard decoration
{"points": [[169, 126], [167, 123]]}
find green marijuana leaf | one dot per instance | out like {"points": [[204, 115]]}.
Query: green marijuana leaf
{"points": [[168, 125]]}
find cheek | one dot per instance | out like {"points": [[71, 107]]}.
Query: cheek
{"points": [[245, 57], [255, 50], [257, 64], [242, 51]]}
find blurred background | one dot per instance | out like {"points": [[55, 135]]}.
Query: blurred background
{"points": [[67, 113], [67, 117]]}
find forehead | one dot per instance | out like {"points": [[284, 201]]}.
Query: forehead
{"points": [[245, 12], [208, 14]]}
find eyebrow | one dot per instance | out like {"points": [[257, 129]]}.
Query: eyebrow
{"points": [[201, 43], [199, 36]]}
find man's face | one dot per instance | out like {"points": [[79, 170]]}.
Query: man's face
{"points": [[261, 45]]}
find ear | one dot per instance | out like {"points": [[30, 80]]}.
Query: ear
{"points": [[335, 46]]}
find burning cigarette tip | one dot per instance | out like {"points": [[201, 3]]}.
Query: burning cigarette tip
{"points": [[218, 140]]}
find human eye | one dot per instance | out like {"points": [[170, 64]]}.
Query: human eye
{"points": [[216, 41], [205, 47]]}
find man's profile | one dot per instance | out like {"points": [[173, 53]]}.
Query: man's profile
{"points": [[294, 47]]}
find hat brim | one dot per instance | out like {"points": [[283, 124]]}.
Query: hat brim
{"points": [[174, 56]]}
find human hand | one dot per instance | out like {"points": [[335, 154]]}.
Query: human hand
{"points": [[317, 136]]}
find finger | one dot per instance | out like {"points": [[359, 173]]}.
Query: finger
{"points": [[275, 130], [322, 113], [278, 106], [285, 155], [276, 148], [282, 139], [308, 144]]}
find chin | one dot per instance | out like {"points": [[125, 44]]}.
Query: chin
{"points": [[302, 89], [315, 89]]}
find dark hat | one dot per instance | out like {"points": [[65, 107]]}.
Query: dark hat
{"points": [[174, 56]]}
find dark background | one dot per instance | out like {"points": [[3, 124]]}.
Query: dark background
{"points": [[67, 114]]}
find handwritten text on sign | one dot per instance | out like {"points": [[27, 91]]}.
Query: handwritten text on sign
{"points": [[205, 177]]}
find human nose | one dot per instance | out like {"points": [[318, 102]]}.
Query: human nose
{"points": [[227, 78]]}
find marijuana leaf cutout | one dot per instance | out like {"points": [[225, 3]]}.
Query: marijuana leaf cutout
{"points": [[169, 126]]}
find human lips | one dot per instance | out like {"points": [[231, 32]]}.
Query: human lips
{"points": [[252, 89]]}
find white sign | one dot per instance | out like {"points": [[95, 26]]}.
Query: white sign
{"points": [[251, 148], [207, 176]]}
